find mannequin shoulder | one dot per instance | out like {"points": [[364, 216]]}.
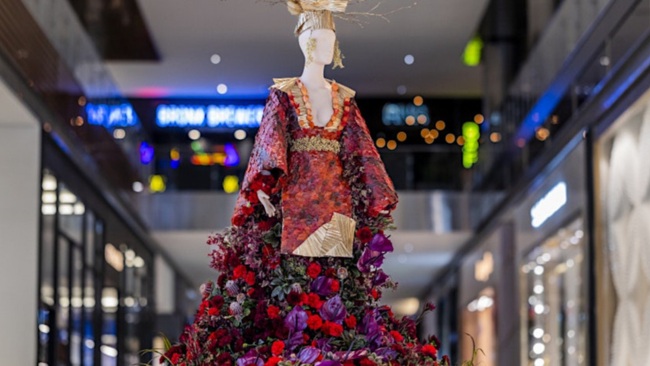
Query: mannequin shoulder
{"points": [[284, 84]]}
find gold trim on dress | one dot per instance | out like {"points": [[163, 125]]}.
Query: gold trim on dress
{"points": [[285, 84], [334, 239], [315, 144]]}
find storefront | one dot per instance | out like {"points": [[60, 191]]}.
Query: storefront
{"points": [[96, 275], [552, 264], [623, 237], [478, 301]]}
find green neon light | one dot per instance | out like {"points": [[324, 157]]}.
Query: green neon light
{"points": [[471, 134], [473, 50]]}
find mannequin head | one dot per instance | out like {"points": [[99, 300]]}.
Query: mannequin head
{"points": [[323, 54]]}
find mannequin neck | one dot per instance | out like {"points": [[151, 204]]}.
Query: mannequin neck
{"points": [[313, 76]]}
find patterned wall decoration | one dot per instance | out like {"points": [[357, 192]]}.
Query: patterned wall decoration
{"points": [[627, 217]]}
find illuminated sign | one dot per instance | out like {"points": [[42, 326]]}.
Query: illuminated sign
{"points": [[551, 203], [119, 115], [211, 116], [146, 153], [473, 50], [114, 257], [471, 135], [400, 114], [484, 268]]}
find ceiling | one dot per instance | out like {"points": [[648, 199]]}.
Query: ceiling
{"points": [[256, 43]]}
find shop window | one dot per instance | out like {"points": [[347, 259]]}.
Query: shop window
{"points": [[554, 289], [479, 322], [624, 236]]}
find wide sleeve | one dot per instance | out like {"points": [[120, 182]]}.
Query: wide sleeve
{"points": [[359, 153], [267, 166]]}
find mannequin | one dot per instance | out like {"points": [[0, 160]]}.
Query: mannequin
{"points": [[319, 89]]}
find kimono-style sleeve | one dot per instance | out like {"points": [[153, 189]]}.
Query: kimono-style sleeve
{"points": [[267, 167], [359, 149]]}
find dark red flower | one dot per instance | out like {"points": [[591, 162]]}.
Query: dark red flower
{"points": [[314, 322], [351, 321], [273, 312], [264, 225], [248, 209], [250, 278], [336, 286], [367, 362], [331, 273], [364, 235], [396, 336], [332, 329], [240, 271], [277, 348], [314, 270], [429, 350], [238, 220], [294, 298]]}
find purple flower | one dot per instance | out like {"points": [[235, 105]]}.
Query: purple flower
{"points": [[322, 286], [295, 340], [324, 344], [250, 359], [370, 328], [380, 278], [329, 363], [296, 320], [370, 258], [380, 243], [309, 355], [386, 352], [333, 310]]}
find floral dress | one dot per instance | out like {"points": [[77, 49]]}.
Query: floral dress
{"points": [[304, 165]]}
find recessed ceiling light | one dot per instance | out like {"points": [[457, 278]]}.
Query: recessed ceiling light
{"points": [[215, 59], [194, 134], [409, 59], [240, 134], [401, 90], [138, 187], [222, 88], [119, 134]]}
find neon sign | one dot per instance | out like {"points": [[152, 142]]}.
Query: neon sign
{"points": [[551, 203], [397, 114], [119, 115], [211, 116]]}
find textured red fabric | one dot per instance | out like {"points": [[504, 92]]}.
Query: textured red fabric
{"points": [[312, 183]]}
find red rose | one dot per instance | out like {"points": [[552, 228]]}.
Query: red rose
{"points": [[348, 363], [429, 350], [248, 209], [314, 322], [238, 220], [175, 358], [398, 337], [331, 273], [264, 225], [314, 270], [273, 361], [332, 329], [277, 348], [273, 312], [336, 286], [375, 294], [364, 235], [351, 321], [240, 271], [367, 362], [313, 300], [213, 311], [250, 278], [294, 298]]}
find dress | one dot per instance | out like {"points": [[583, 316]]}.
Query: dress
{"points": [[304, 288], [306, 166]]}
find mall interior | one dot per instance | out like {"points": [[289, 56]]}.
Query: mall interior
{"points": [[514, 132]]}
